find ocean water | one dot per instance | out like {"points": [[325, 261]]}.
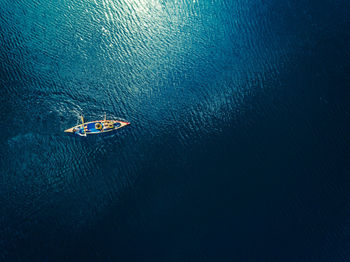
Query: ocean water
{"points": [[239, 143]]}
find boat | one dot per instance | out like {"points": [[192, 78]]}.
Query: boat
{"points": [[96, 127]]}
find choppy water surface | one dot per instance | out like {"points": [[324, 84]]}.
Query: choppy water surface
{"points": [[238, 148]]}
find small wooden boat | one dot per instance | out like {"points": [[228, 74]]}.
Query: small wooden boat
{"points": [[96, 127]]}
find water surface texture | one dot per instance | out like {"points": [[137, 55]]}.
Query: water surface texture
{"points": [[239, 143]]}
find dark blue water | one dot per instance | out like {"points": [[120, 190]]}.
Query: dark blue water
{"points": [[239, 143]]}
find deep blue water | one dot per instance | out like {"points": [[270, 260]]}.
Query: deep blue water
{"points": [[239, 143]]}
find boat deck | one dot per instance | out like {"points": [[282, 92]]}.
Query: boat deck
{"points": [[90, 127]]}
